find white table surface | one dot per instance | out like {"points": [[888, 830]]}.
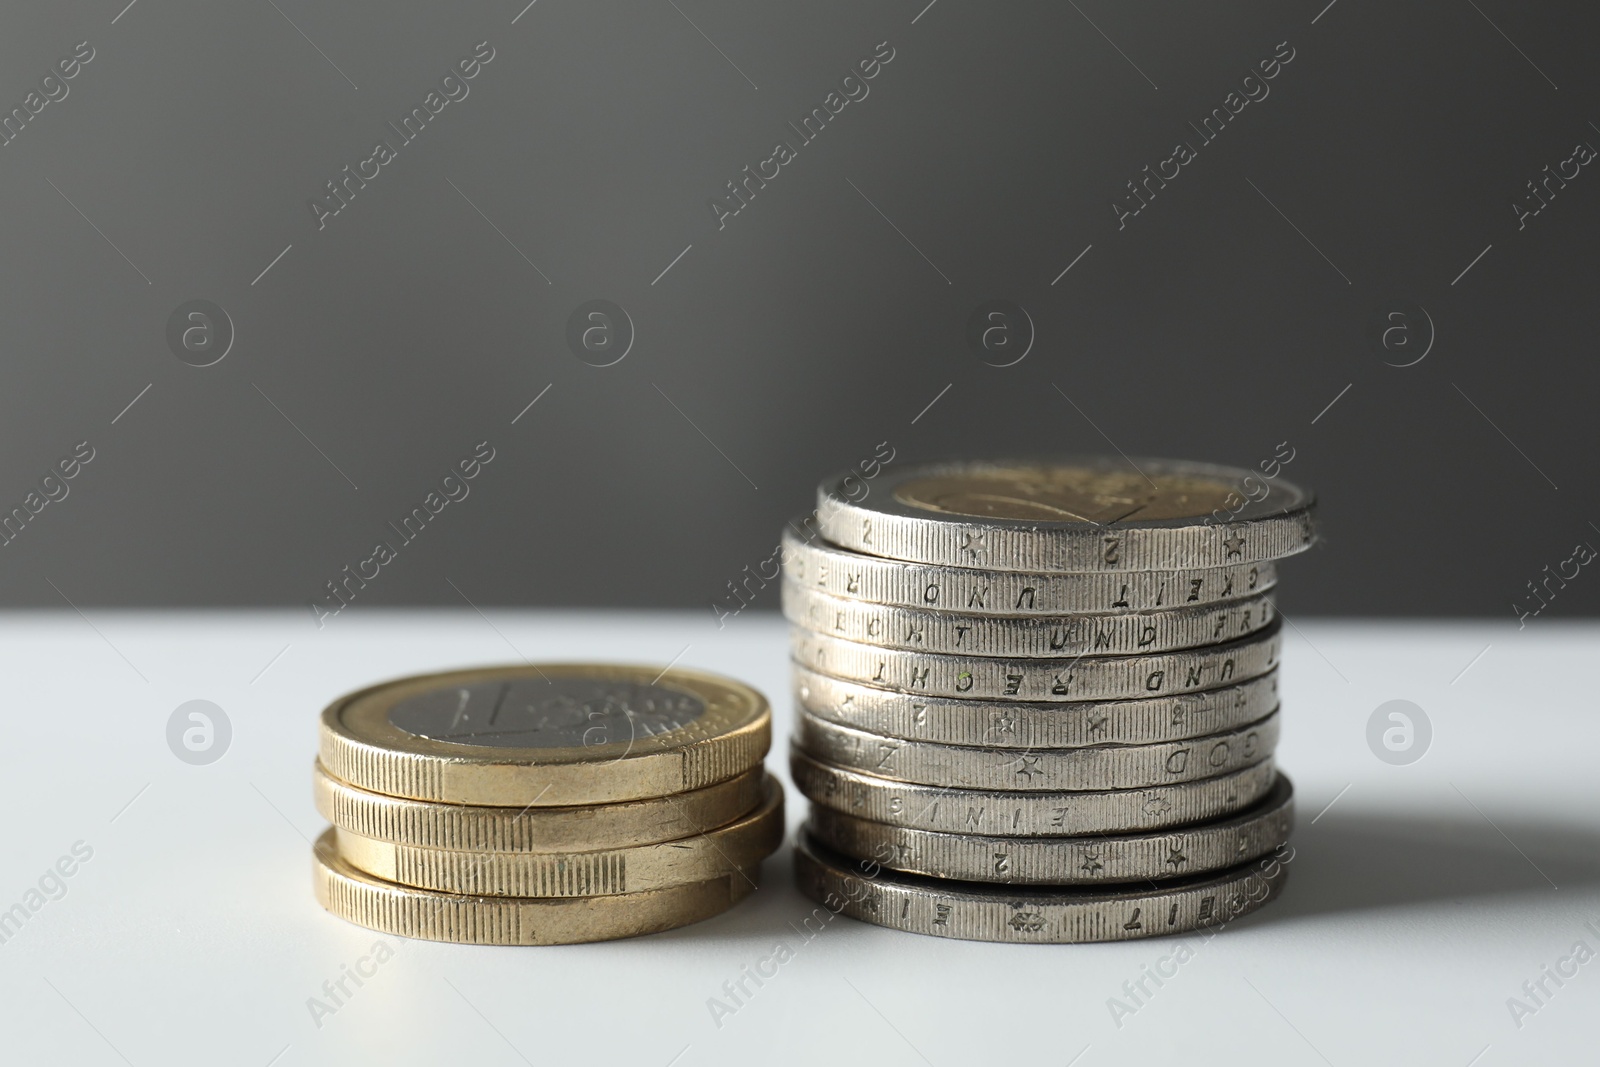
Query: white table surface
{"points": [[1416, 906]]}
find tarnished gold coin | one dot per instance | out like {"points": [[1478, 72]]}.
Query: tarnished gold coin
{"points": [[480, 920], [470, 828], [546, 734], [735, 849]]}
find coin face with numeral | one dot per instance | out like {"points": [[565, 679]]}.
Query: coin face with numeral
{"points": [[551, 734], [534, 713], [1089, 515], [1065, 493]]}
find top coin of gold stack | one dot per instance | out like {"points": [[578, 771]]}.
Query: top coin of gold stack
{"points": [[1057, 675], [544, 804]]}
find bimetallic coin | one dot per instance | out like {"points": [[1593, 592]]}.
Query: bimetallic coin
{"points": [[1186, 850], [1080, 515], [405, 911], [1039, 769], [821, 567], [1000, 813], [545, 735], [734, 849], [1011, 724], [1033, 914], [1080, 678], [1034, 638], [464, 828]]}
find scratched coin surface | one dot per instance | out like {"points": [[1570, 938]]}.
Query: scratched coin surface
{"points": [[1019, 813], [914, 630], [1090, 515], [1039, 769], [545, 734], [1027, 914], [1184, 850], [406, 911], [1012, 724], [820, 566], [584, 828], [736, 849], [1078, 678]]}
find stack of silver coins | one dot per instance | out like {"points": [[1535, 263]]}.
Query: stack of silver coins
{"points": [[1037, 701]]}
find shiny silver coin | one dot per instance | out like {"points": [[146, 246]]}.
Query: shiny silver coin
{"points": [[914, 630], [1033, 914], [1207, 846], [1039, 769], [825, 568], [1095, 515], [1001, 813], [1079, 678], [1011, 724]]}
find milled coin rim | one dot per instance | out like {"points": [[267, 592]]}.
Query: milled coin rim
{"points": [[815, 564], [424, 914], [1013, 724], [1032, 914], [1037, 770], [880, 524], [1002, 813], [359, 745], [952, 633], [1038, 680], [733, 849], [1090, 859], [580, 828]]}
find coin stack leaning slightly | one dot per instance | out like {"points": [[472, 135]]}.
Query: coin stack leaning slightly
{"points": [[544, 804], [1037, 701]]}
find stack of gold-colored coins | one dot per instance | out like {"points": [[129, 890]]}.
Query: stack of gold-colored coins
{"points": [[544, 804], [1038, 700]]}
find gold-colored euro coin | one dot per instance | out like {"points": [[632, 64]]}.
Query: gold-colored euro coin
{"points": [[735, 849], [584, 828], [546, 734], [479, 920]]}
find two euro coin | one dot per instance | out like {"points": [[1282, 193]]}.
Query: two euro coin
{"points": [[1037, 700]]}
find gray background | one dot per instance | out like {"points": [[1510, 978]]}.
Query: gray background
{"points": [[821, 320]]}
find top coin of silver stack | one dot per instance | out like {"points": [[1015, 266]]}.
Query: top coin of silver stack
{"points": [[1038, 699]]}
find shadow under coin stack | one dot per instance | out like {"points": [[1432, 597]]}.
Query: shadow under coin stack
{"points": [[1038, 700], [538, 805]]}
